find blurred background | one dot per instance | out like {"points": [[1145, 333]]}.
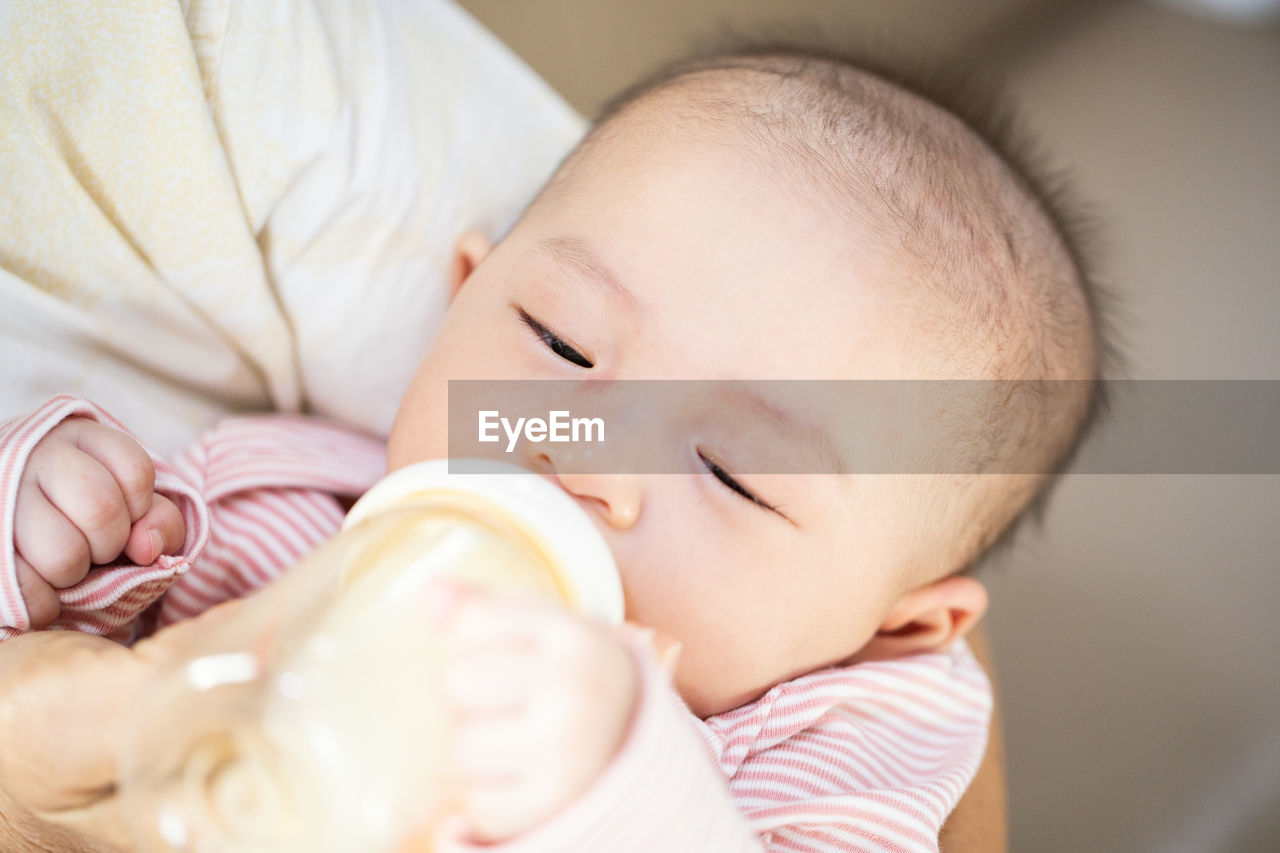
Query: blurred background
{"points": [[1136, 634]]}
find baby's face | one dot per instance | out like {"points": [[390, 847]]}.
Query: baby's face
{"points": [[683, 260]]}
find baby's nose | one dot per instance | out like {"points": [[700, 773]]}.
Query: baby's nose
{"points": [[614, 498]]}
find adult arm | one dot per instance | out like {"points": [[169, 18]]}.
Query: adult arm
{"points": [[980, 822]]}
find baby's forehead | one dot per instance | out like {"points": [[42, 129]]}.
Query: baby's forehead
{"points": [[932, 189], [772, 276], [971, 252], [869, 127]]}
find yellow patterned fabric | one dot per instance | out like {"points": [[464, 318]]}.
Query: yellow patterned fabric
{"points": [[224, 206]]}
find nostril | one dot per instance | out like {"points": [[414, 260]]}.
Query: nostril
{"points": [[602, 511], [540, 463]]}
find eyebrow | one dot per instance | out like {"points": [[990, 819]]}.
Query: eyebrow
{"points": [[578, 257], [813, 438]]}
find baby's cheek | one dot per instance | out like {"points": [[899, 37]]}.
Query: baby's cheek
{"points": [[420, 430], [407, 445], [724, 652], [715, 677]]}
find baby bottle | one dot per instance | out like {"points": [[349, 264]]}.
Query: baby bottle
{"points": [[307, 717]]}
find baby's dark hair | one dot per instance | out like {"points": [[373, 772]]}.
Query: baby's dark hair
{"points": [[961, 195]]}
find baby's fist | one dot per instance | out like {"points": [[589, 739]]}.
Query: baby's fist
{"points": [[87, 495], [541, 701]]}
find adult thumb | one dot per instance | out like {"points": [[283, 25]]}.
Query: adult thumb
{"points": [[64, 700]]}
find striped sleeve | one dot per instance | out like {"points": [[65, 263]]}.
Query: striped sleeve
{"points": [[871, 757], [257, 494], [273, 484], [110, 598]]}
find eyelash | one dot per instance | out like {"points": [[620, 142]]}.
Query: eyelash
{"points": [[553, 341], [732, 484], [568, 353]]}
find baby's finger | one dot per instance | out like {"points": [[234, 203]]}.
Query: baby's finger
{"points": [[511, 622], [125, 460], [498, 796], [666, 648], [160, 531], [47, 541], [41, 599], [491, 750], [89, 496], [487, 682], [498, 811]]}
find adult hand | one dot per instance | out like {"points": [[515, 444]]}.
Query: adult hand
{"points": [[65, 704], [62, 700]]}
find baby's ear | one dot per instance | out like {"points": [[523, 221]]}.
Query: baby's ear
{"points": [[928, 619], [471, 249]]}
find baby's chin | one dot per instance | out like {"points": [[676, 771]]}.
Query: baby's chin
{"points": [[706, 696]]}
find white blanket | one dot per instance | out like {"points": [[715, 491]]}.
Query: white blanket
{"points": [[220, 206]]}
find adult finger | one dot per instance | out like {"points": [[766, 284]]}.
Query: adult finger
{"points": [[89, 496], [47, 540], [125, 460], [41, 599], [160, 531]]}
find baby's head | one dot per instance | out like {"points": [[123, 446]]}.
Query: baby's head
{"points": [[774, 216]]}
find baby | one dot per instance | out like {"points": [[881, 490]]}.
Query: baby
{"points": [[749, 216]]}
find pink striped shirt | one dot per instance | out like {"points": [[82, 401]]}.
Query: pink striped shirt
{"points": [[871, 757]]}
